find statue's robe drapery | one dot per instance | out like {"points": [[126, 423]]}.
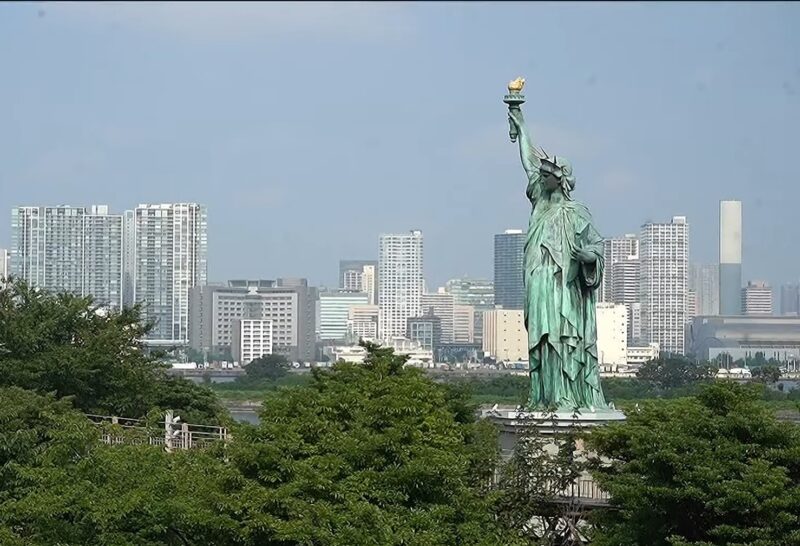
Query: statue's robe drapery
{"points": [[560, 314]]}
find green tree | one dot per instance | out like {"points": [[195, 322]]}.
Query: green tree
{"points": [[767, 373], [373, 453], [367, 454], [60, 485], [672, 372], [270, 367], [62, 344], [717, 469], [535, 486]]}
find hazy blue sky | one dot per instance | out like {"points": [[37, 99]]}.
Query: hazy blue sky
{"points": [[308, 129]]}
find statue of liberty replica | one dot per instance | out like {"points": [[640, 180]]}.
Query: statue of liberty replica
{"points": [[563, 266]]}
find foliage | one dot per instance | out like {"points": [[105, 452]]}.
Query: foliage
{"points": [[507, 388], [368, 454], [672, 372], [59, 485], [372, 453], [717, 469], [767, 373], [62, 344], [269, 367], [533, 483], [245, 389]]}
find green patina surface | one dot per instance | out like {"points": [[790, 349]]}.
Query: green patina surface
{"points": [[563, 268]]}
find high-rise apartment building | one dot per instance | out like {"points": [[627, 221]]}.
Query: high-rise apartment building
{"points": [[790, 299], [334, 312], [170, 245], [440, 304], [624, 280], [509, 280], [691, 305], [103, 256], [730, 257], [624, 284], [664, 280], [70, 249], [288, 303], [4, 264], [400, 283], [360, 276], [757, 298], [615, 250], [704, 282]]}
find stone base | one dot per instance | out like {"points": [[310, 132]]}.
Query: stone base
{"points": [[513, 422]]}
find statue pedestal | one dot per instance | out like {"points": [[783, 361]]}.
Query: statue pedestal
{"points": [[513, 422]]}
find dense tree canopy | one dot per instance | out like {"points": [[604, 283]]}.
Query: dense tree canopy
{"points": [[717, 469], [671, 372], [372, 454], [269, 367], [62, 344]]}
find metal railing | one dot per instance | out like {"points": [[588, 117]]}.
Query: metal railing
{"points": [[170, 433]]}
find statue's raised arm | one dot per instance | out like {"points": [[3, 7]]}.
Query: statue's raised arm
{"points": [[518, 131]]}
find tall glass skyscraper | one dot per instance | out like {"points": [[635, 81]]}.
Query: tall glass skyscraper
{"points": [[509, 253]]}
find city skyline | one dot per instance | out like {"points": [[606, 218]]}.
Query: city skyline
{"points": [[233, 141]]}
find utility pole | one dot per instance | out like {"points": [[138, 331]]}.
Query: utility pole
{"points": [[170, 430]]}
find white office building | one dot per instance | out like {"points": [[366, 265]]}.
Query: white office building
{"points": [[612, 335], [169, 252], [642, 354], [400, 283], [757, 298], [288, 305], [334, 312], [664, 276], [69, 249], [252, 339]]}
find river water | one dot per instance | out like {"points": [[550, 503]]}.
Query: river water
{"points": [[245, 416]]}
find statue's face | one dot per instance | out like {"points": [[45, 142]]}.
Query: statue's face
{"points": [[550, 182]]}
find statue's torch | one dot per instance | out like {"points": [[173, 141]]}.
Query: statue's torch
{"points": [[513, 100]]}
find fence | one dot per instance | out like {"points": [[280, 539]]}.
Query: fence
{"points": [[170, 433]]}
